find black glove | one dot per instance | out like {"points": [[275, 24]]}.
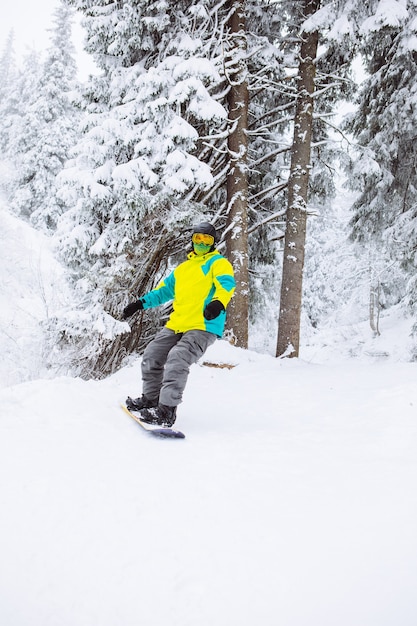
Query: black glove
{"points": [[132, 308], [213, 309]]}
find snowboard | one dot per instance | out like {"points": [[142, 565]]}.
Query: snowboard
{"points": [[154, 429]]}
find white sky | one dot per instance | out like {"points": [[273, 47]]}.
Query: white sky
{"points": [[30, 20]]}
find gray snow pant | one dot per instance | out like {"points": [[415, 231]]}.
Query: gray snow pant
{"points": [[167, 360]]}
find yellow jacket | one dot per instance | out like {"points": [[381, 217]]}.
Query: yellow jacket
{"points": [[191, 286]]}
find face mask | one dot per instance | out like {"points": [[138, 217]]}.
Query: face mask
{"points": [[201, 248]]}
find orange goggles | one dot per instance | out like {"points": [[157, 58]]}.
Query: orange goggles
{"points": [[207, 240]]}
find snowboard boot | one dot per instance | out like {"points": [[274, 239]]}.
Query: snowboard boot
{"points": [[160, 415], [140, 403]]}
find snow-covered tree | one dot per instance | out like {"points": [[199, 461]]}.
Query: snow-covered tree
{"points": [[137, 163], [7, 67], [317, 88], [384, 125], [8, 76], [11, 93], [154, 147], [14, 124], [44, 126], [295, 234], [339, 27], [237, 178], [384, 166]]}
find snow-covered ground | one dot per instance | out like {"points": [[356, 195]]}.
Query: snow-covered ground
{"points": [[292, 500]]}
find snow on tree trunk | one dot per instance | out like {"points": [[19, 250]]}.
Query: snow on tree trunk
{"points": [[237, 182], [296, 221]]}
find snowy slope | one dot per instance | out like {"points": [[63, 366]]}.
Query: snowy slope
{"points": [[291, 501]]}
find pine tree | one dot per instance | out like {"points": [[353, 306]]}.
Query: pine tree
{"points": [[237, 179], [136, 172], [7, 67], [44, 126], [384, 128], [384, 168], [338, 26], [10, 95], [154, 150], [16, 123], [8, 76], [295, 234]]}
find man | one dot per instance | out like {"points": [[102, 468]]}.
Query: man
{"points": [[200, 288]]}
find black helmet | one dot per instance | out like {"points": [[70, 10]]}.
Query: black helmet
{"points": [[206, 229]]}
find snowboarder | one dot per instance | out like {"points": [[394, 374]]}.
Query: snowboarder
{"points": [[201, 288]]}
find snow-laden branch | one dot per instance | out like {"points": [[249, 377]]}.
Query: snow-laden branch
{"points": [[266, 220], [269, 190], [270, 155]]}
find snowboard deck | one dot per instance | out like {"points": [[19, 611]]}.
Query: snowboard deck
{"points": [[154, 429]]}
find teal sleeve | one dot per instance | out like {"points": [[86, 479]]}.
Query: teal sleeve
{"points": [[164, 292]]}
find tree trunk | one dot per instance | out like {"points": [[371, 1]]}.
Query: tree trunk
{"points": [[295, 235], [237, 182]]}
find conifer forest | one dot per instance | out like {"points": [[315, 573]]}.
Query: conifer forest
{"points": [[291, 126]]}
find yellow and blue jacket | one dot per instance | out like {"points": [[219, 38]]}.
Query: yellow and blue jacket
{"points": [[192, 285]]}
